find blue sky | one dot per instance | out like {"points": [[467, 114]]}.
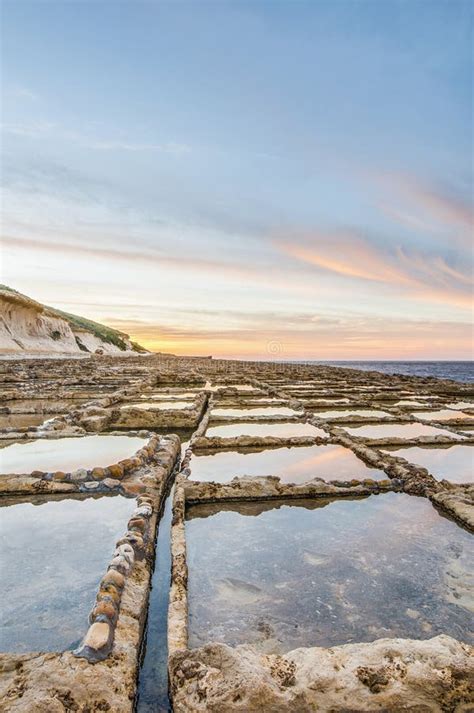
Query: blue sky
{"points": [[244, 178]]}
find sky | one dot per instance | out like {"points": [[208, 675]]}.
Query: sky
{"points": [[262, 180]]}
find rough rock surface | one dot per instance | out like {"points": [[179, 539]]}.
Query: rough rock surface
{"points": [[459, 503], [386, 675]]}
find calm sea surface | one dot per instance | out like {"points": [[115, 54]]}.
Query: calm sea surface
{"points": [[456, 370]]}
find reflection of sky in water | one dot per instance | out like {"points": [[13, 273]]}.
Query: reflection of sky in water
{"points": [[455, 463], [367, 413], [236, 387], [399, 430], [292, 465], [281, 430], [157, 405], [68, 454], [442, 415], [461, 405], [409, 403], [385, 566], [265, 411], [53, 556], [166, 397]]}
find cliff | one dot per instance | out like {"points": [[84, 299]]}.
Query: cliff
{"points": [[31, 327]]}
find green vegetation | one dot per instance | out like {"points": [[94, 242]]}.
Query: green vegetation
{"points": [[107, 334], [138, 348]]}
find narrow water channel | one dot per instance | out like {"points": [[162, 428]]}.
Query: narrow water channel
{"points": [[152, 696]]}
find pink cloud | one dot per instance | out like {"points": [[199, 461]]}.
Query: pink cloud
{"points": [[414, 274]]}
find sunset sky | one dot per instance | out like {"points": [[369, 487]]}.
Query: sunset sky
{"points": [[277, 179]]}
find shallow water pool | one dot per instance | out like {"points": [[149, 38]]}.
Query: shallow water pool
{"points": [[460, 405], [246, 412], [455, 463], [53, 557], [166, 397], [68, 454], [399, 430], [365, 413], [292, 465], [278, 430], [443, 415], [335, 572], [158, 405]]}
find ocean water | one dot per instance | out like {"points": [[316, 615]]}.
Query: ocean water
{"points": [[457, 370]]}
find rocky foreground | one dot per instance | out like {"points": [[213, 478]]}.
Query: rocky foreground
{"points": [[152, 397]]}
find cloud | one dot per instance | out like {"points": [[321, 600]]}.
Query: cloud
{"points": [[242, 273], [414, 274], [19, 92], [428, 207], [346, 254], [50, 130]]}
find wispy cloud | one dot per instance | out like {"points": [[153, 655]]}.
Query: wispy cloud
{"points": [[425, 206], [20, 92], [412, 273], [50, 130]]}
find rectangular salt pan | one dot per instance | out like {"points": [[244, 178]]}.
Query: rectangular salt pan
{"points": [[365, 413], [277, 430], [292, 465], [399, 430], [455, 463], [443, 415], [68, 454], [264, 411], [280, 577], [53, 557], [158, 405]]}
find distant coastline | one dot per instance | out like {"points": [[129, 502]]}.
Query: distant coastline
{"points": [[462, 371]]}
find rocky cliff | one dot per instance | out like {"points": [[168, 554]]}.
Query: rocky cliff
{"points": [[30, 327]]}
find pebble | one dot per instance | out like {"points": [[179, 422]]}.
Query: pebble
{"points": [[91, 485], [125, 550], [142, 511], [107, 608], [60, 476], [98, 635], [111, 483], [121, 564], [110, 590], [116, 470], [137, 524], [113, 577], [79, 476], [133, 488]]}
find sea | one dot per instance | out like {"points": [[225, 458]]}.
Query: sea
{"points": [[457, 370]]}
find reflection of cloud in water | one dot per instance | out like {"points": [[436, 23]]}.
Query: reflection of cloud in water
{"points": [[345, 571]]}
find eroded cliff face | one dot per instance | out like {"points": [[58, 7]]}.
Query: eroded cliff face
{"points": [[27, 326]]}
